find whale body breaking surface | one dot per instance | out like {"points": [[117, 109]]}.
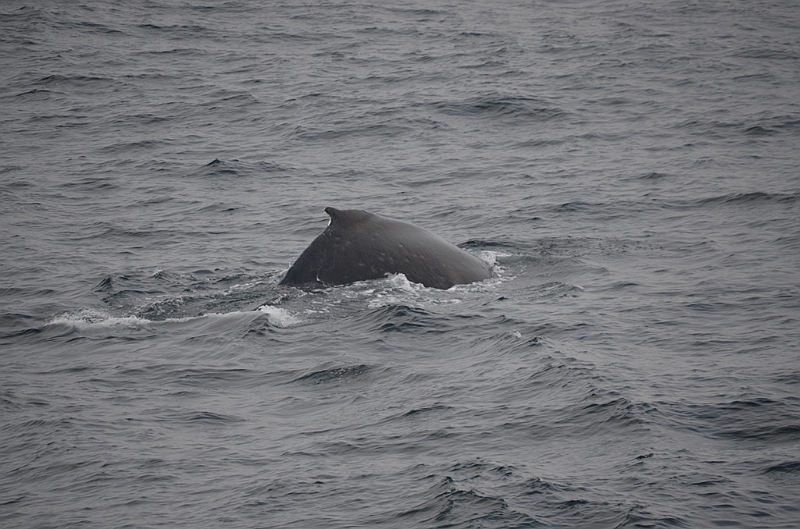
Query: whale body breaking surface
{"points": [[358, 246]]}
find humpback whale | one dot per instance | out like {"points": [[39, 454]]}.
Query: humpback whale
{"points": [[358, 245]]}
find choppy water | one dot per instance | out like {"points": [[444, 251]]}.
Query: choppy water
{"points": [[631, 167]]}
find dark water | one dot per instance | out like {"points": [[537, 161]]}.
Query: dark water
{"points": [[630, 167]]}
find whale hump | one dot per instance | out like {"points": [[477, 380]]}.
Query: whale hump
{"points": [[358, 245]]}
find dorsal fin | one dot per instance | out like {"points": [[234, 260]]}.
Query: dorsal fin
{"points": [[347, 216]]}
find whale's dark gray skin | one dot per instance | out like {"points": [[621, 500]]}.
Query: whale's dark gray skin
{"points": [[358, 245]]}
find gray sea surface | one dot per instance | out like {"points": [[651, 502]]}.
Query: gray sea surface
{"points": [[629, 168]]}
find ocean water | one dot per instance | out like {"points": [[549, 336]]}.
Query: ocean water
{"points": [[629, 168]]}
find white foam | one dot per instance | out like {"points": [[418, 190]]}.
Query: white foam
{"points": [[89, 319], [489, 257], [398, 290], [280, 317], [92, 318], [400, 281]]}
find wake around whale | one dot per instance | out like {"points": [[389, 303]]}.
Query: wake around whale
{"points": [[358, 245]]}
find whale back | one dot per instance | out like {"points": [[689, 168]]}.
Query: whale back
{"points": [[358, 245]]}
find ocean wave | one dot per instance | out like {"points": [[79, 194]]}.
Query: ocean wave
{"points": [[335, 375], [750, 198], [447, 504], [520, 109]]}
